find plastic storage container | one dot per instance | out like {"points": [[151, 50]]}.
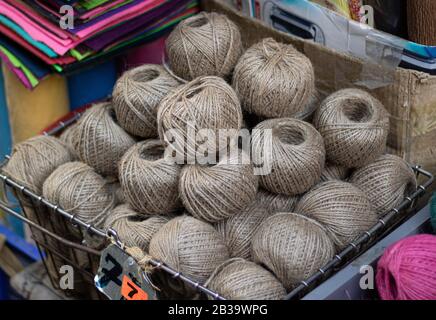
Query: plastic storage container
{"points": [[307, 20], [345, 285]]}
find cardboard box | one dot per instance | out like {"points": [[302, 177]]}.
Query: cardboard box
{"points": [[409, 96]]}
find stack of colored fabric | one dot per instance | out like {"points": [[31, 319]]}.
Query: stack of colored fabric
{"points": [[38, 37]]}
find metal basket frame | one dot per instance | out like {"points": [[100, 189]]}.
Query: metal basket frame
{"points": [[353, 250]]}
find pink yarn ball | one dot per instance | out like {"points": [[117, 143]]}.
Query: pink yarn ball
{"points": [[407, 270]]}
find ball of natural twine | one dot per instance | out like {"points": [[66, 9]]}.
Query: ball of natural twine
{"points": [[251, 120], [311, 106], [33, 160], [238, 279], [239, 229], [334, 172], [78, 189], [190, 246], [203, 45], [275, 202], [203, 106], [386, 182], [292, 154], [216, 192], [99, 141], [67, 138], [149, 179], [354, 126], [133, 229], [341, 207], [274, 80], [117, 190], [137, 95], [292, 246]]}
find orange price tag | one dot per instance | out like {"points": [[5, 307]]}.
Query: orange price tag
{"points": [[130, 291]]}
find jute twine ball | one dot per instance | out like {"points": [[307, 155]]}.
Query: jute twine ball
{"points": [[99, 141], [239, 229], [386, 182], [311, 106], [334, 172], [292, 159], [117, 190], [341, 207], [216, 192], [354, 126], [202, 106], [137, 95], [133, 229], [78, 189], [207, 44], [275, 202], [292, 246], [274, 80], [238, 279], [190, 246], [33, 160], [67, 138], [149, 180]]}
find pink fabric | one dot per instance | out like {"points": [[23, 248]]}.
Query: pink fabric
{"points": [[86, 15], [127, 14], [12, 35], [48, 9], [17, 71], [37, 17], [149, 53], [36, 31], [56, 39], [407, 270]]}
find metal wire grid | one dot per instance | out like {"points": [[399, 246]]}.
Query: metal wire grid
{"points": [[58, 251], [111, 235], [356, 247], [351, 251]]}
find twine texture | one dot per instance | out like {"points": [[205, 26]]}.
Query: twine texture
{"points": [[238, 279], [78, 189], [275, 202], [149, 179], [99, 141], [207, 44], [274, 80], [137, 95], [33, 160], [407, 269], [217, 192], [341, 207], [386, 182], [190, 246], [295, 155], [292, 246], [334, 172], [133, 229], [199, 108], [239, 230], [354, 126]]}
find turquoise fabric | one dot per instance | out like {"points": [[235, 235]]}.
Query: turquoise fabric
{"points": [[5, 130], [20, 31], [433, 212], [5, 148]]}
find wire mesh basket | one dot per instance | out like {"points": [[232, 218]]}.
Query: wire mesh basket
{"points": [[59, 246]]}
